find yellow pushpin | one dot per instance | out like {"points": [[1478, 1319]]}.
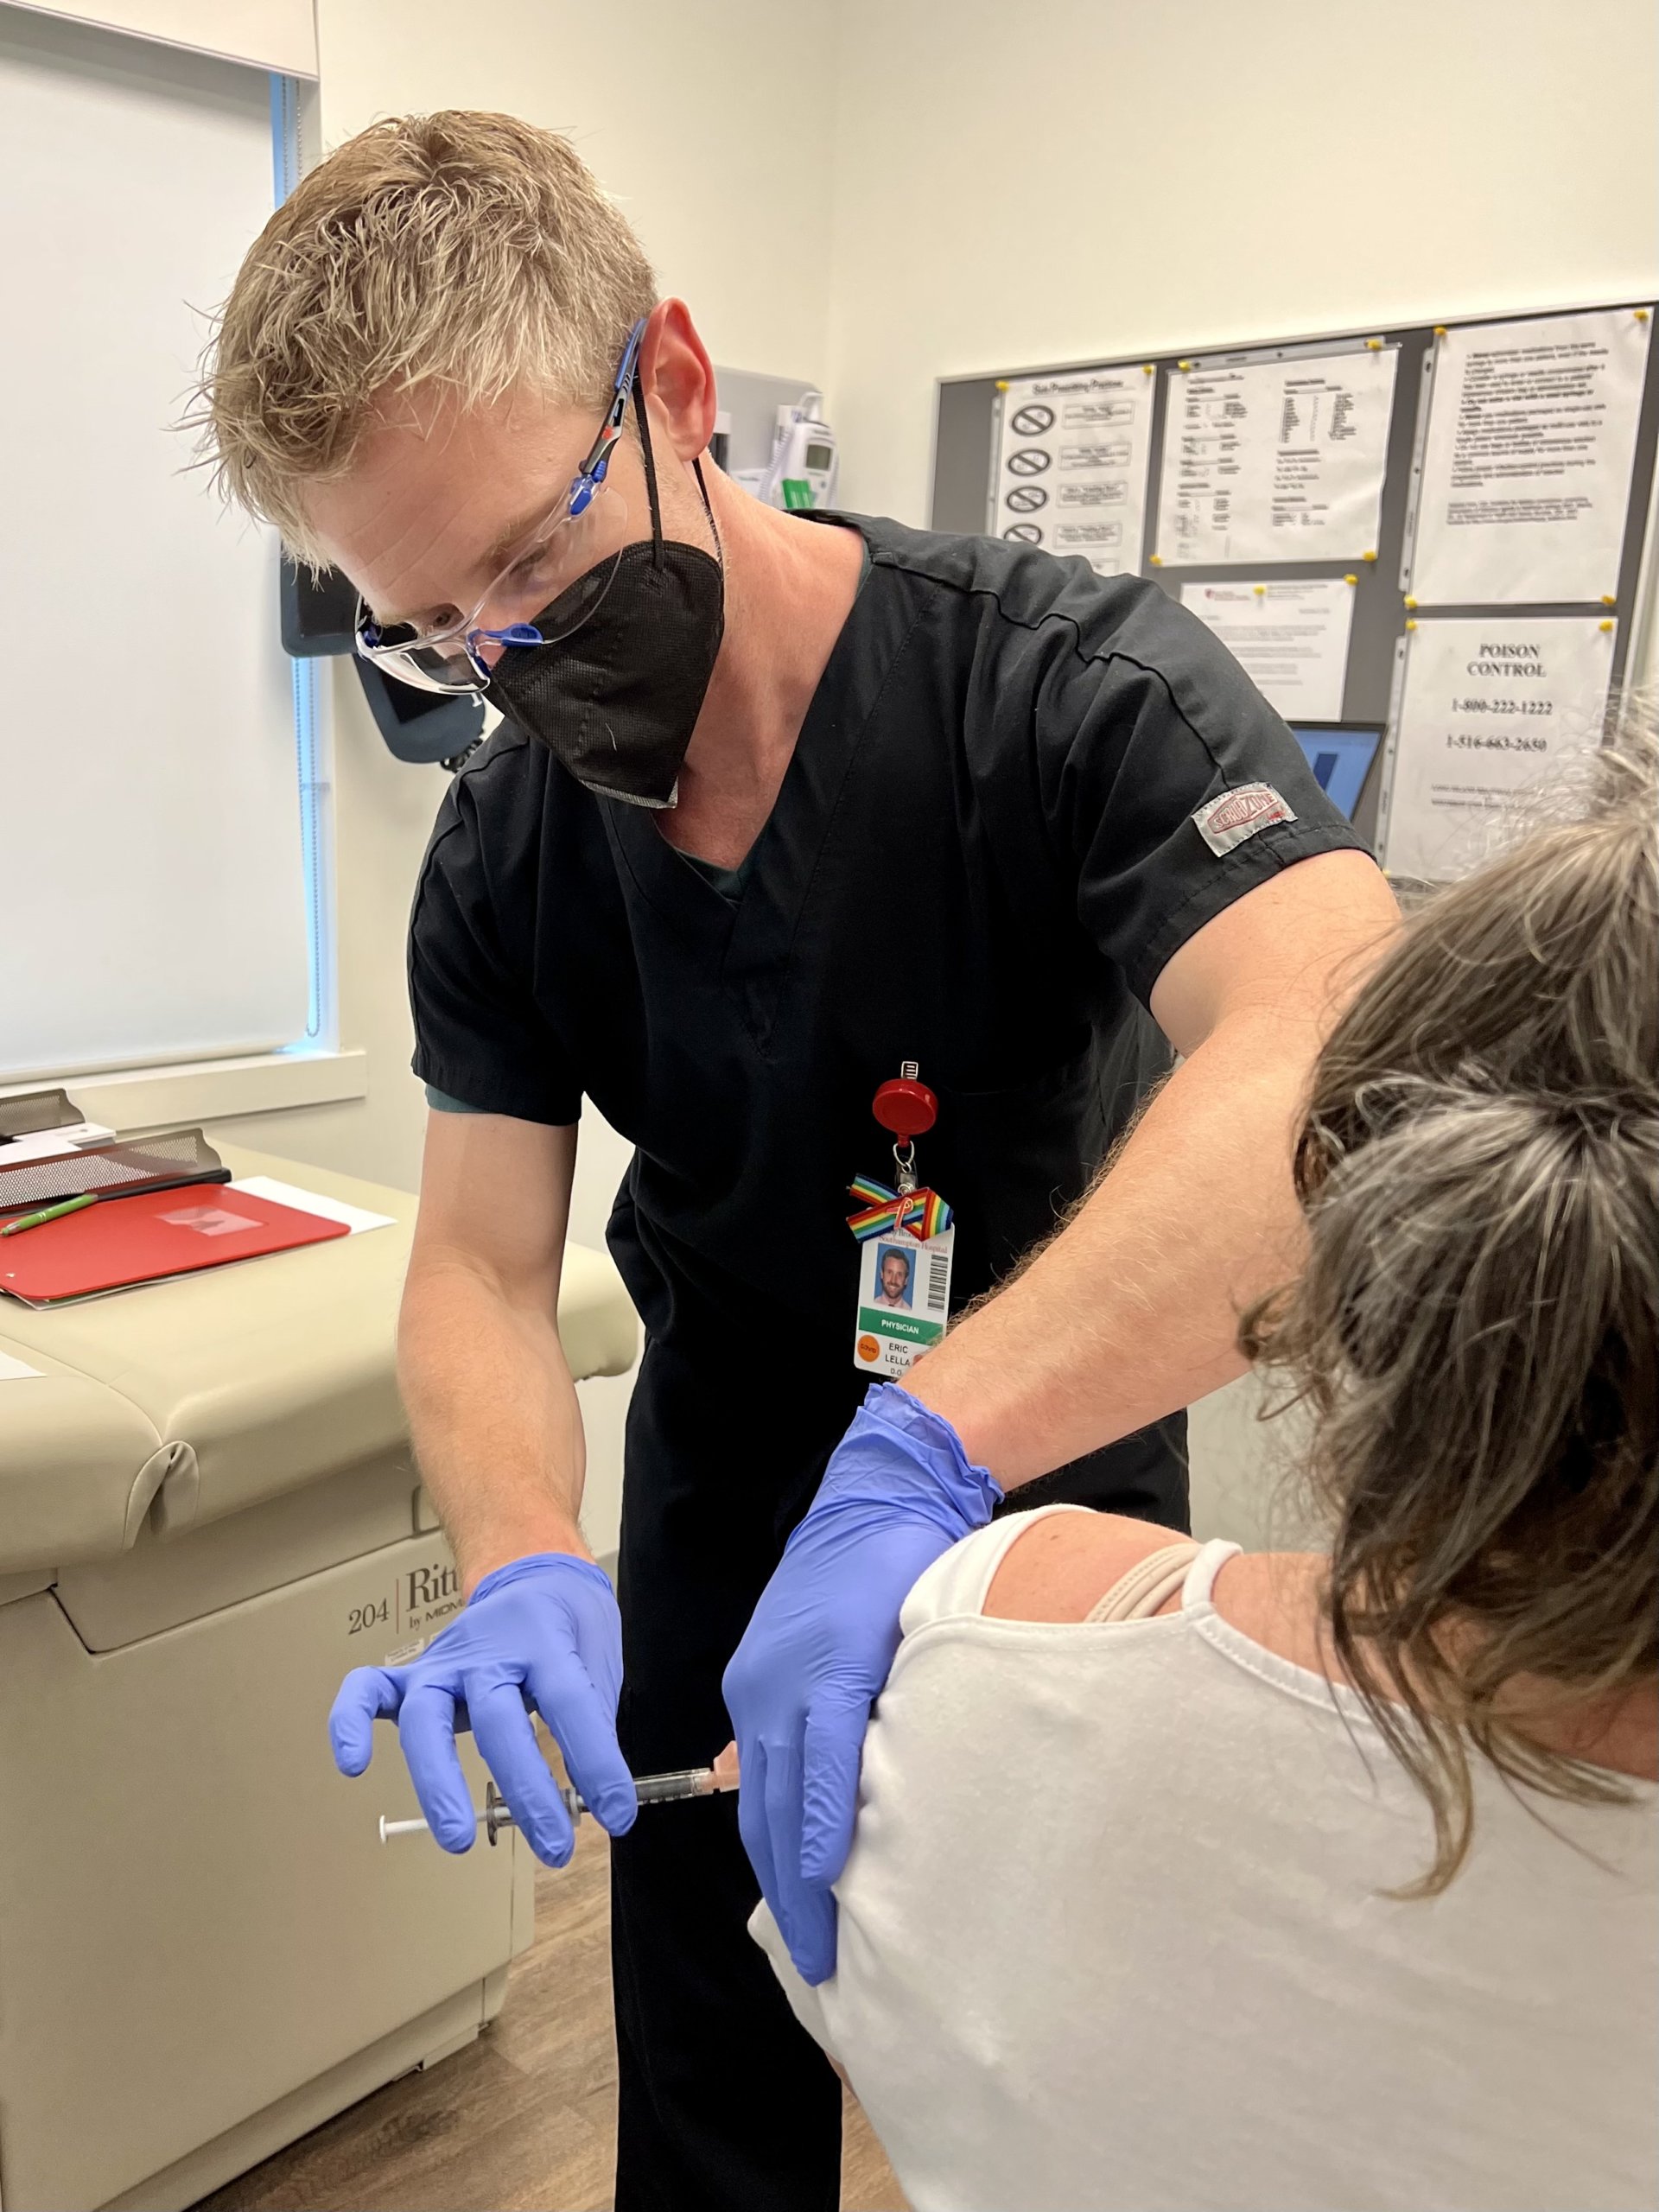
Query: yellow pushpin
{"points": [[1369, 556], [1183, 364], [1641, 315], [1410, 624], [1374, 345], [1147, 368], [1609, 599], [1001, 383], [1258, 590], [1440, 330], [1603, 625], [1411, 602], [1351, 580], [1156, 560]]}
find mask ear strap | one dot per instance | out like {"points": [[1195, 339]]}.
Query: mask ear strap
{"points": [[702, 488], [650, 473], [651, 481]]}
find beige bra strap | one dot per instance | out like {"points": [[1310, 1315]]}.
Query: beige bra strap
{"points": [[1150, 1582]]}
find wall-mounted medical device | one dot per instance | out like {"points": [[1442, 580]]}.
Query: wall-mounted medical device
{"points": [[770, 437], [801, 472]]}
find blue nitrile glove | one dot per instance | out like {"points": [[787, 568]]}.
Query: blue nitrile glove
{"points": [[541, 1633], [898, 1491]]}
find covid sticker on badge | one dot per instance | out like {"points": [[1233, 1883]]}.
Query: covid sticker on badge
{"points": [[904, 1300]]}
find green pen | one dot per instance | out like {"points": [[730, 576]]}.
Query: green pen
{"points": [[48, 1213]]}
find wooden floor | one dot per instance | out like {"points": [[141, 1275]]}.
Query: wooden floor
{"points": [[522, 2119]]}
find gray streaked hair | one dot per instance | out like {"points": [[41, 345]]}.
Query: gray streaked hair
{"points": [[1475, 1337]]}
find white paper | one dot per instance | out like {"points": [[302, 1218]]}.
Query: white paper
{"points": [[1491, 711], [1526, 467], [1071, 466], [1291, 640], [356, 1218], [51, 1144], [1276, 460], [13, 1370]]}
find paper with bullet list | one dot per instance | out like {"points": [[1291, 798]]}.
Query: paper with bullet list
{"points": [[1527, 464]]}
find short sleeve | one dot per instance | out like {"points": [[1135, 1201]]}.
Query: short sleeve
{"points": [[479, 1038], [1170, 786]]}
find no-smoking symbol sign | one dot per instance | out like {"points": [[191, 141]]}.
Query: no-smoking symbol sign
{"points": [[1025, 533], [1030, 461], [1032, 422], [1026, 499]]}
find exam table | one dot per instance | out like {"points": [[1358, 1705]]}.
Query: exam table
{"points": [[209, 1513]]}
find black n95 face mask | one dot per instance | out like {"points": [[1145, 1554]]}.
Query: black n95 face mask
{"points": [[616, 700]]}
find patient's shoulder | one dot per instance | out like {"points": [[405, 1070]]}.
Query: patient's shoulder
{"points": [[1064, 1563], [1061, 1568]]}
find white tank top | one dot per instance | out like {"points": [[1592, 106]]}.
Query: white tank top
{"points": [[1112, 1935]]}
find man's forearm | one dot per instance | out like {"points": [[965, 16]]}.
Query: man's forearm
{"points": [[1132, 1310], [493, 1415]]}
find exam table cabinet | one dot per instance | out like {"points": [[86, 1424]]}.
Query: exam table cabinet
{"points": [[209, 1513]]}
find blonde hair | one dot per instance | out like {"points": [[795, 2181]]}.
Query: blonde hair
{"points": [[1475, 1333], [466, 249]]}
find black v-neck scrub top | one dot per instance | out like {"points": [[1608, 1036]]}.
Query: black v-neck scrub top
{"points": [[982, 855]]}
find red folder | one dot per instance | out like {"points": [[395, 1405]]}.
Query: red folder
{"points": [[120, 1241]]}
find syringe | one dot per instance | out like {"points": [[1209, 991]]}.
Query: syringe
{"points": [[650, 1788]]}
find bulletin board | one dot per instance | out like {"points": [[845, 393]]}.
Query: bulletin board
{"points": [[972, 485]]}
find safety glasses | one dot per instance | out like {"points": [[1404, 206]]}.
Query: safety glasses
{"points": [[548, 587]]}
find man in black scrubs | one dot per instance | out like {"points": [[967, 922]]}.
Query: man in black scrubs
{"points": [[780, 803]]}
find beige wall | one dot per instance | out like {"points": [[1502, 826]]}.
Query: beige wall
{"points": [[1001, 185]]}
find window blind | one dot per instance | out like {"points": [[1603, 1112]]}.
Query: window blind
{"points": [[152, 903]]}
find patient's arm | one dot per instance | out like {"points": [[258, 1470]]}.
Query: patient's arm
{"points": [[492, 1407]]}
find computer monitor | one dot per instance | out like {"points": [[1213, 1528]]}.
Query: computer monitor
{"points": [[1341, 760]]}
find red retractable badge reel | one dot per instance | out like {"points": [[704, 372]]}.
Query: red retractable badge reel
{"points": [[907, 1107], [909, 1110]]}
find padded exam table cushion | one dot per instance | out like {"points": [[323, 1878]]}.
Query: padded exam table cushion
{"points": [[234, 1386]]}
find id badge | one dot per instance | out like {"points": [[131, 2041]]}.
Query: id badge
{"points": [[907, 1242], [904, 1300]]}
